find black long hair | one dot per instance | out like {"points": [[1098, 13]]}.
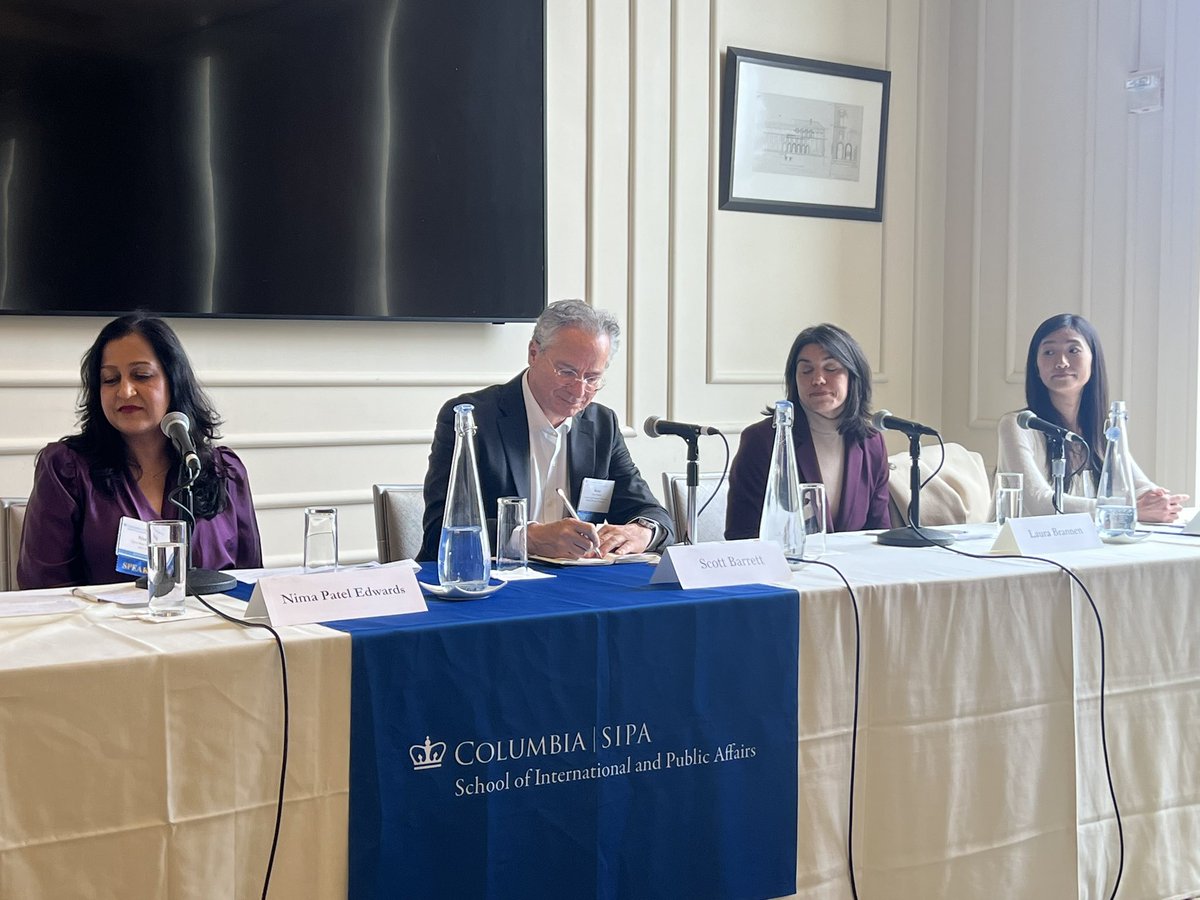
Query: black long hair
{"points": [[1093, 404], [855, 423], [104, 447]]}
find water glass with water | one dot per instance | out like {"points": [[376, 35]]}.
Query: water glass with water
{"points": [[814, 504], [166, 567], [320, 539], [511, 519], [1009, 496]]}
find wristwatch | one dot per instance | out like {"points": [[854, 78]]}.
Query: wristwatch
{"points": [[656, 530]]}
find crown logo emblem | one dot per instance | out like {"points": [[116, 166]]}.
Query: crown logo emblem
{"points": [[428, 755]]}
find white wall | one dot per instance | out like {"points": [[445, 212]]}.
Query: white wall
{"points": [[981, 234], [1059, 200], [710, 299]]}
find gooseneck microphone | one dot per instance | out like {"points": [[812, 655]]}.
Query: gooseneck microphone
{"points": [[177, 427], [656, 427], [1027, 419], [885, 421]]}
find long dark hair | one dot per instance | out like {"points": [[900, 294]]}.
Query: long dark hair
{"points": [[1093, 404], [104, 447], [855, 423]]}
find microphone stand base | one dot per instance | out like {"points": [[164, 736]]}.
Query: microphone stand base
{"points": [[201, 582], [914, 536]]}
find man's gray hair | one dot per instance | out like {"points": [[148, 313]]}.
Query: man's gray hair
{"points": [[576, 314]]}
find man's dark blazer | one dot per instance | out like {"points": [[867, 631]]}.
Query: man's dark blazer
{"points": [[595, 449], [864, 501]]}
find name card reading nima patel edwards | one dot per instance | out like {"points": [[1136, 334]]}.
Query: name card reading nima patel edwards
{"points": [[1033, 535], [389, 590], [722, 564]]}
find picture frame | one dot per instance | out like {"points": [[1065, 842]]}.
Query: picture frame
{"points": [[802, 137]]}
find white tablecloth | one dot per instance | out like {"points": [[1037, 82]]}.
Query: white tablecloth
{"points": [[979, 741], [141, 760]]}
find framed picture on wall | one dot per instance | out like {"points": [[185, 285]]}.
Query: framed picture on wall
{"points": [[802, 137]]}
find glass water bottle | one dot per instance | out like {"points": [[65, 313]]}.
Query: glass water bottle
{"points": [[782, 513], [1116, 501], [464, 556]]}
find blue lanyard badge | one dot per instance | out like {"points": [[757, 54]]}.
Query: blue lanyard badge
{"points": [[131, 547]]}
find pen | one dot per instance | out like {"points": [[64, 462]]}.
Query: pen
{"points": [[575, 515]]}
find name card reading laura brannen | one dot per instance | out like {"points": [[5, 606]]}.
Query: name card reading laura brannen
{"points": [[1032, 535], [722, 564], [352, 593]]}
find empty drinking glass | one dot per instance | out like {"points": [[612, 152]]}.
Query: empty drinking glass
{"points": [[813, 503], [320, 538], [511, 519]]}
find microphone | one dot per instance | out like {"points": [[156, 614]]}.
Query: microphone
{"points": [[176, 426], [1026, 419], [885, 421], [656, 427]]}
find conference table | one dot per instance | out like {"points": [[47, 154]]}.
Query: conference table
{"points": [[141, 760]]}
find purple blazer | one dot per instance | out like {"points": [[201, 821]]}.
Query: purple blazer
{"points": [[70, 532], [864, 501]]}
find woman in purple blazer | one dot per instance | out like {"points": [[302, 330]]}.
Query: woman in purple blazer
{"points": [[829, 383], [121, 464]]}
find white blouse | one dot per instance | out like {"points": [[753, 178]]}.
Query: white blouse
{"points": [[1023, 450]]}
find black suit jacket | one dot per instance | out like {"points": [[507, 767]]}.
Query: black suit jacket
{"points": [[595, 449]]}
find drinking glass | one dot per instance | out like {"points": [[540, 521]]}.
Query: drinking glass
{"points": [[1009, 493], [320, 538], [511, 519], [813, 503], [166, 567]]}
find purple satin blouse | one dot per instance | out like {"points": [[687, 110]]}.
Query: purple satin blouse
{"points": [[70, 532]]}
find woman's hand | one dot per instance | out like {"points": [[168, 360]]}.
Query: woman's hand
{"points": [[1160, 505]]}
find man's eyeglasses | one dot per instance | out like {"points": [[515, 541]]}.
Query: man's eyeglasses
{"points": [[567, 375]]}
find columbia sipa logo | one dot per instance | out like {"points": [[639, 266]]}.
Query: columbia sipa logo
{"points": [[428, 755]]}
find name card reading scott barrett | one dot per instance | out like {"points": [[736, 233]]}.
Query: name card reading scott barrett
{"points": [[1033, 535], [352, 593], [722, 564]]}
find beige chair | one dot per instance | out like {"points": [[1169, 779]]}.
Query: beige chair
{"points": [[711, 525], [12, 520], [961, 493], [398, 512]]}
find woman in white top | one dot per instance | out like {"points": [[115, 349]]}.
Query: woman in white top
{"points": [[1065, 383]]}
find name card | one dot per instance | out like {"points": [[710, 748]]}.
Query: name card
{"points": [[722, 564], [1192, 527], [1035, 535], [389, 590]]}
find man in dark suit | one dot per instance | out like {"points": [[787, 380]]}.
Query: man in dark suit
{"points": [[540, 432]]}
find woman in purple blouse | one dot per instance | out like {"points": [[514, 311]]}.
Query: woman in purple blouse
{"points": [[828, 381], [121, 464]]}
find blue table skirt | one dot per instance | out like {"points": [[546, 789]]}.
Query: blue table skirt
{"points": [[586, 736]]}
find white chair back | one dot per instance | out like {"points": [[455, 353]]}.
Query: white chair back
{"points": [[399, 509], [12, 520], [961, 493], [711, 525]]}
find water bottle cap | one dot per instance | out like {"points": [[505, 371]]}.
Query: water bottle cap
{"points": [[464, 417], [783, 412]]}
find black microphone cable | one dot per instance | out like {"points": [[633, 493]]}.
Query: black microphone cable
{"points": [[283, 759], [720, 481], [853, 721], [1112, 793], [941, 462]]}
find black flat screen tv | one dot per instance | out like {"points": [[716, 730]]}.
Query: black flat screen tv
{"points": [[380, 159]]}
